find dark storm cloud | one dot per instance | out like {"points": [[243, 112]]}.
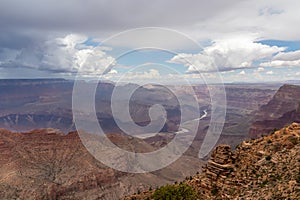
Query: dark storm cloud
{"points": [[95, 15], [16, 40]]}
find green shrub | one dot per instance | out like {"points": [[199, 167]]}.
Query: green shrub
{"points": [[269, 141], [175, 192], [214, 190], [268, 157], [293, 140], [273, 131], [298, 179], [264, 183]]}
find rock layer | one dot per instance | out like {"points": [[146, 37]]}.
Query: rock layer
{"points": [[47, 164], [283, 109], [266, 168]]}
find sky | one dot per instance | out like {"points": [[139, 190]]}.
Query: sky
{"points": [[237, 40]]}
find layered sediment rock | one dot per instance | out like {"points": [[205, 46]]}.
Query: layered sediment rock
{"points": [[283, 109], [47, 164], [264, 168]]}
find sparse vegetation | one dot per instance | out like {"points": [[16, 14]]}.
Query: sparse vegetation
{"points": [[214, 190], [269, 141], [293, 140], [274, 130], [264, 183], [268, 157], [175, 192], [298, 178], [224, 178]]}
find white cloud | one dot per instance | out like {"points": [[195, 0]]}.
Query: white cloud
{"points": [[133, 76], [150, 74], [113, 71], [260, 69], [288, 56], [71, 55], [194, 62], [242, 73], [63, 55], [281, 63], [227, 54], [269, 72], [284, 59]]}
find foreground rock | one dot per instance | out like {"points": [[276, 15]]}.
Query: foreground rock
{"points": [[46, 164], [265, 168]]}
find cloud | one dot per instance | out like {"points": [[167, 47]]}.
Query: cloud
{"points": [[242, 73], [288, 56], [269, 72], [113, 71], [33, 33], [269, 11], [281, 63], [269, 19], [260, 69], [149, 74], [284, 59], [200, 19], [60, 55], [194, 62], [133, 76], [227, 54], [95, 15], [152, 37], [23, 23]]}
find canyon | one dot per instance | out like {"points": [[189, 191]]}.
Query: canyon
{"points": [[42, 156]]}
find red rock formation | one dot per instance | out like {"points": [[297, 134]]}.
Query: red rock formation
{"points": [[283, 109], [265, 168], [46, 164]]}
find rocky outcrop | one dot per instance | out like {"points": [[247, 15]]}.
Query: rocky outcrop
{"points": [[283, 109], [48, 164], [218, 167], [265, 168]]}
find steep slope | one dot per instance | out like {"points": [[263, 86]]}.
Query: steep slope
{"points": [[47, 164], [265, 168], [283, 109], [242, 101]]}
